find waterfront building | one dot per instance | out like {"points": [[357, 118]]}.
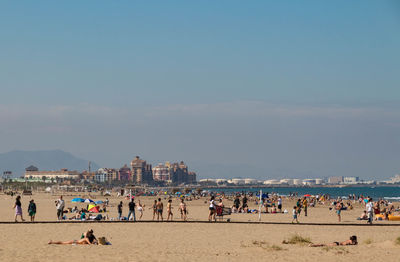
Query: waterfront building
{"points": [[288, 181], [33, 172], [351, 180], [319, 181], [250, 181], [335, 180], [309, 182], [124, 173], [106, 175], [297, 182], [161, 173], [88, 176], [141, 171], [271, 182]]}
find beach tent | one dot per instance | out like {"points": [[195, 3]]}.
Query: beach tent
{"points": [[78, 199], [98, 202], [89, 200], [95, 209], [91, 206]]}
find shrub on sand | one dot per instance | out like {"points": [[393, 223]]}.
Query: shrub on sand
{"points": [[397, 241], [368, 241], [297, 239]]}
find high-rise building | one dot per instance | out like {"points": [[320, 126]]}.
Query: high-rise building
{"points": [[161, 173], [141, 171], [124, 173]]}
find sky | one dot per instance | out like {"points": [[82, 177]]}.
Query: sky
{"points": [[263, 89]]}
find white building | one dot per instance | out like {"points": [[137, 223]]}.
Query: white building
{"points": [[350, 180], [288, 181], [271, 182], [297, 182], [309, 182], [237, 181], [250, 181]]}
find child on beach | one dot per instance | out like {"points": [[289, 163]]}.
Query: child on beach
{"points": [[32, 210], [294, 215]]}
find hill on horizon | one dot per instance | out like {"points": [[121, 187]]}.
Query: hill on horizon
{"points": [[16, 161]]}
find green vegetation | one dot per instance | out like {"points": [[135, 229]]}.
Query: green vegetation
{"points": [[368, 241], [297, 239], [397, 241]]}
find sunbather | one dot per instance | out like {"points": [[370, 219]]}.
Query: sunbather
{"points": [[89, 239], [352, 241]]}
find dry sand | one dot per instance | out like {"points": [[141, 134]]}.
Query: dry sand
{"points": [[192, 241]]}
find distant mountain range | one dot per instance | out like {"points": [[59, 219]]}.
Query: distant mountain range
{"points": [[17, 161]]}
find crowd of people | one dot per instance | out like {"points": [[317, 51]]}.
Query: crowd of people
{"points": [[269, 203]]}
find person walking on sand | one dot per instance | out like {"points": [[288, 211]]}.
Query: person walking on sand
{"points": [[305, 206], [280, 205], [154, 207], [295, 215], [132, 210], [18, 209], [140, 209], [60, 204], [120, 210], [183, 210], [32, 210], [211, 214], [169, 210], [370, 210], [339, 206], [160, 208]]}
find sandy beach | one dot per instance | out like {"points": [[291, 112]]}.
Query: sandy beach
{"points": [[148, 241]]}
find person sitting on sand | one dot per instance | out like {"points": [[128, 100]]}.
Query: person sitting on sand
{"points": [[351, 242], [363, 216], [88, 239]]}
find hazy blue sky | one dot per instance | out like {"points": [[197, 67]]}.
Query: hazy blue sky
{"points": [[234, 88]]}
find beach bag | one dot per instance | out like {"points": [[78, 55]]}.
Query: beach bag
{"points": [[103, 241]]}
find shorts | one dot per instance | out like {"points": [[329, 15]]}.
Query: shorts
{"points": [[159, 211], [338, 212], [211, 208], [279, 206], [31, 213], [294, 216]]}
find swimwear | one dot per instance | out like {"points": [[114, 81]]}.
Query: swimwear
{"points": [[159, 210], [337, 243]]}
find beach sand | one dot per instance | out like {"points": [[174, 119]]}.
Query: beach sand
{"points": [[192, 241]]}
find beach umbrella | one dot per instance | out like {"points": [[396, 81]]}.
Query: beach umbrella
{"points": [[89, 200], [94, 209], [91, 206], [307, 195], [98, 202], [78, 199]]}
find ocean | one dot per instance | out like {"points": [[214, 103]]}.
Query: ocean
{"points": [[389, 193]]}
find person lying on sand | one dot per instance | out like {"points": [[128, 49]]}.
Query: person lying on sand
{"points": [[89, 239], [351, 242]]}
